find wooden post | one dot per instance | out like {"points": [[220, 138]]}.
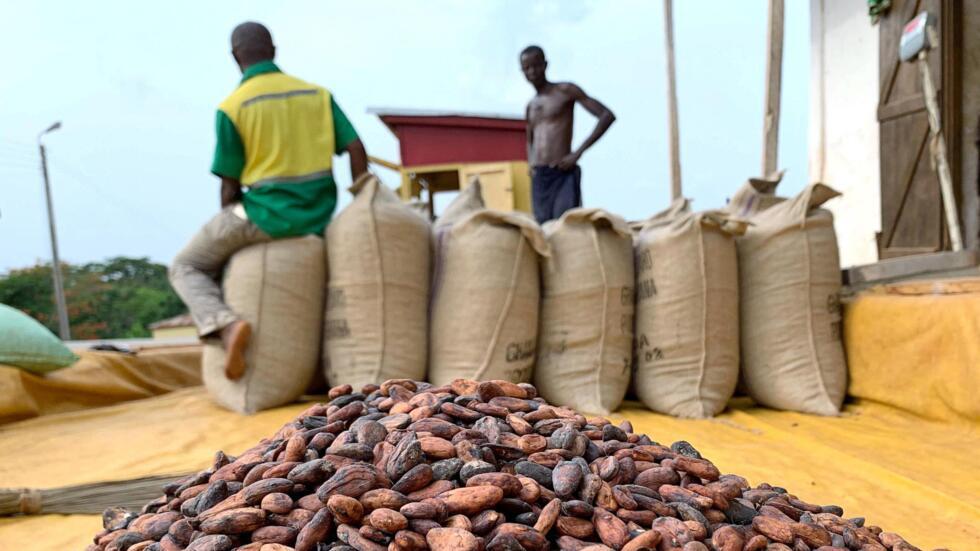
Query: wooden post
{"points": [[675, 146], [774, 77]]}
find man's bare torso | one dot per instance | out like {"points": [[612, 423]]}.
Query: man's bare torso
{"points": [[549, 118]]}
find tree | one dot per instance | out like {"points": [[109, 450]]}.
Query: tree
{"points": [[117, 298]]}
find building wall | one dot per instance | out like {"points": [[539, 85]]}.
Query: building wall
{"points": [[843, 138]]}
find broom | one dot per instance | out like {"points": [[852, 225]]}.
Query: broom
{"points": [[84, 499]]}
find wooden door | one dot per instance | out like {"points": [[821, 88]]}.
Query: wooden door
{"points": [[496, 184], [911, 203]]}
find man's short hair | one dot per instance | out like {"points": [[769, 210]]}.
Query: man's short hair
{"points": [[252, 40], [533, 49]]}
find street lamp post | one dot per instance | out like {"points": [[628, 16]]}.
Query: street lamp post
{"points": [[59, 289]]}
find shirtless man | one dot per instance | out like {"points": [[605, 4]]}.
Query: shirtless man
{"points": [[555, 175]]}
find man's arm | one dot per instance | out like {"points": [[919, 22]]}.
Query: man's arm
{"points": [[229, 159], [600, 111], [358, 158], [231, 191], [529, 128]]}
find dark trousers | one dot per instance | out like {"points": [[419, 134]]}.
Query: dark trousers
{"points": [[554, 191]]}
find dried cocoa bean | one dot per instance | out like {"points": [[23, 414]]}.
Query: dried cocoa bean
{"points": [[275, 534], [387, 520], [235, 521], [315, 531], [451, 539], [510, 484], [472, 500], [345, 509]]}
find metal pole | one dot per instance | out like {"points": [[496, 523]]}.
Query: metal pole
{"points": [[942, 164], [675, 146], [59, 290]]}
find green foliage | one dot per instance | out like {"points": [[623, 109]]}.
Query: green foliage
{"points": [[117, 298]]}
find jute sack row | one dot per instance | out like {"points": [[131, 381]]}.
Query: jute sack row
{"points": [[485, 292], [687, 323], [790, 283], [278, 288], [586, 337]]}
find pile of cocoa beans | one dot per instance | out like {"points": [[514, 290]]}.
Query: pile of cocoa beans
{"points": [[473, 466]]}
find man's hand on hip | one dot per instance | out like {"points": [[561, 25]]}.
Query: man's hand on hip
{"points": [[567, 162]]}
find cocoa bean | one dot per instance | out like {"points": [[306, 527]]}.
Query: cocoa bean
{"points": [[275, 534], [416, 478], [387, 520], [648, 540], [451, 539], [528, 538], [234, 521], [510, 484], [774, 529], [217, 542], [345, 509], [472, 500], [565, 479], [575, 527], [410, 541], [350, 480], [486, 521], [315, 531], [254, 493], [611, 530], [549, 514], [383, 498]]}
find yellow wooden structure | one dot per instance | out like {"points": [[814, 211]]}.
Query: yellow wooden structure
{"points": [[505, 185], [443, 152]]}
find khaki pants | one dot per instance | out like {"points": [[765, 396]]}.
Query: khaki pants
{"points": [[196, 271]]}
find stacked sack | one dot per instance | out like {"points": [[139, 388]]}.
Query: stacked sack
{"points": [[687, 331], [585, 344], [790, 283], [485, 292], [277, 287], [376, 325]]}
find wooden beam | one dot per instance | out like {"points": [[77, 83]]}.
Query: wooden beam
{"points": [[675, 146], [774, 77], [385, 163], [911, 266]]}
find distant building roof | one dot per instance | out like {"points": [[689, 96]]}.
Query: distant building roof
{"points": [[183, 320]]}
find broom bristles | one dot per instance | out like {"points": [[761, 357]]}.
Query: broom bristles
{"points": [[84, 499]]}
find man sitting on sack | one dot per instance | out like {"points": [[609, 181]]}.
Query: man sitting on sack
{"points": [[276, 136]]}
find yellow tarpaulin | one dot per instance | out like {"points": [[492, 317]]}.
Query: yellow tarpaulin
{"points": [[901, 472], [98, 379], [916, 346]]}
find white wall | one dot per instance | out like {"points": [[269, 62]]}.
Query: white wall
{"points": [[843, 137]]}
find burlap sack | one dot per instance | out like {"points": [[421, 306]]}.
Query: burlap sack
{"points": [[376, 325], [485, 293], [278, 288], [755, 196], [586, 336], [687, 311], [792, 356]]}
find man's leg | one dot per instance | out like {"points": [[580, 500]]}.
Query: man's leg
{"points": [[542, 193], [568, 192], [194, 275]]}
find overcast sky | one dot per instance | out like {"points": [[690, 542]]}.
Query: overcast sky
{"points": [[136, 85]]}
